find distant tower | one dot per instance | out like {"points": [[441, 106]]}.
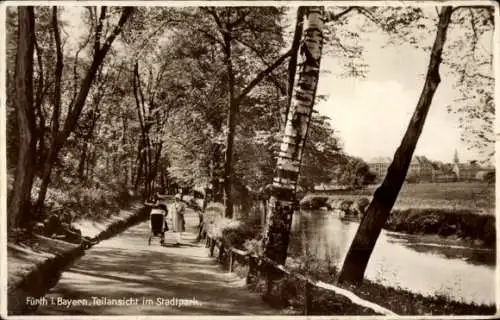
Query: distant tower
{"points": [[456, 162], [455, 157]]}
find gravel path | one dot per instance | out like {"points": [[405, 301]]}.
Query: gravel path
{"points": [[125, 276]]}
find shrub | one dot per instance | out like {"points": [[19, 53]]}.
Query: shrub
{"points": [[314, 202], [362, 204]]}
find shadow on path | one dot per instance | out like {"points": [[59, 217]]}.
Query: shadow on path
{"points": [[125, 267]]}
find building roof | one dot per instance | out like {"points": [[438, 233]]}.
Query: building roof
{"points": [[380, 160]]}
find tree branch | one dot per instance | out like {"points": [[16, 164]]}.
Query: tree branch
{"points": [[75, 63], [98, 58], [216, 18], [209, 35], [266, 64], [475, 38], [261, 75], [98, 32], [235, 23], [334, 17], [127, 11], [58, 74]]}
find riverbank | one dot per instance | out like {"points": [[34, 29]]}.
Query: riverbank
{"points": [[454, 211], [35, 262], [399, 300], [245, 235]]}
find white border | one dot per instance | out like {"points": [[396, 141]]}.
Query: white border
{"points": [[179, 3], [292, 3], [3, 166]]}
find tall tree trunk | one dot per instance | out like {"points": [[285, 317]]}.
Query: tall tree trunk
{"points": [[139, 170], [56, 101], [385, 196], [20, 199], [163, 184], [234, 103], [282, 200], [231, 124]]}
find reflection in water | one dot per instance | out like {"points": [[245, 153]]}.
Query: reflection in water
{"points": [[460, 273]]}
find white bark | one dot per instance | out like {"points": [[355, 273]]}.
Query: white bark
{"points": [[282, 201]]}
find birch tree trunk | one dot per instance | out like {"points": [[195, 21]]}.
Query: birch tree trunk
{"points": [[282, 201], [20, 198], [385, 196]]}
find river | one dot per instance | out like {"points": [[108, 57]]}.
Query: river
{"points": [[419, 264]]}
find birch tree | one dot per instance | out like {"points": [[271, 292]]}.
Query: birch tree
{"points": [[386, 194], [282, 200]]}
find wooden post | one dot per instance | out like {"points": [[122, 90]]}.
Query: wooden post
{"points": [[221, 252], [230, 260], [252, 269], [308, 299], [269, 280], [212, 247]]}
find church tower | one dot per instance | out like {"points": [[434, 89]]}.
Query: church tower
{"points": [[455, 158], [456, 162]]}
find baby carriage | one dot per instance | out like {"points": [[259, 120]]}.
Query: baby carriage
{"points": [[158, 223]]}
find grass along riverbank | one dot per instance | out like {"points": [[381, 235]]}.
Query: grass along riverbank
{"points": [[477, 197], [245, 234], [398, 300], [462, 211]]}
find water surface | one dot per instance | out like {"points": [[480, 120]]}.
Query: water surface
{"points": [[420, 264]]}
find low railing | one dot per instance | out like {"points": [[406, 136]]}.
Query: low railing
{"points": [[255, 261]]}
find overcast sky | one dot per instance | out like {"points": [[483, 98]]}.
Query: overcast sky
{"points": [[371, 114]]}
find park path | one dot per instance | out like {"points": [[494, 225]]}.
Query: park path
{"points": [[125, 267]]}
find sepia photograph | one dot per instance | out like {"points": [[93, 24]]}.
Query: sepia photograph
{"points": [[234, 158]]}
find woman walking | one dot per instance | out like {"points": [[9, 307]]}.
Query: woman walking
{"points": [[178, 222]]}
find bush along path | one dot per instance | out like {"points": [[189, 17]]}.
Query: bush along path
{"points": [[36, 262]]}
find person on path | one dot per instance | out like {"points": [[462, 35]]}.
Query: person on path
{"points": [[178, 222], [158, 209]]}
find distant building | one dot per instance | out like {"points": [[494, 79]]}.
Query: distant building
{"points": [[420, 168], [469, 171], [379, 166]]}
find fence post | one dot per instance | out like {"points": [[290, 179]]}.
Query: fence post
{"points": [[308, 299], [251, 269], [230, 260], [212, 247], [221, 252]]}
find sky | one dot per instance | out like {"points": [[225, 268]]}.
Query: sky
{"points": [[371, 114]]}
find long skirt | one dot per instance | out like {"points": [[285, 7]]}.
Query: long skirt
{"points": [[178, 224]]}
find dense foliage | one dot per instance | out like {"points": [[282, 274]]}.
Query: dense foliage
{"points": [[137, 98]]}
